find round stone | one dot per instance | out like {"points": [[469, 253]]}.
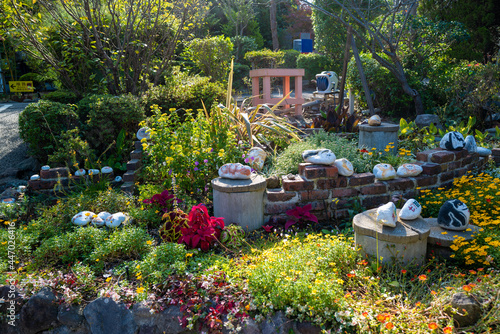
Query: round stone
{"points": [[100, 219], [46, 167], [82, 218], [454, 215], [256, 158], [235, 171], [320, 157], [143, 133], [452, 141], [384, 172], [9, 200], [470, 144], [94, 172], [106, 170], [344, 166], [408, 170], [411, 210], [118, 179], [115, 219], [35, 177], [80, 172], [375, 120], [483, 152]]}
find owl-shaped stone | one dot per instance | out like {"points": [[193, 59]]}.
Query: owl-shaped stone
{"points": [[386, 214], [452, 141], [408, 170], [344, 166], [256, 158], [319, 157], [454, 215], [411, 210], [384, 172], [470, 144], [235, 171]]}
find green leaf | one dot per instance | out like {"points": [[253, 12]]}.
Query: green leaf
{"points": [[394, 284]]}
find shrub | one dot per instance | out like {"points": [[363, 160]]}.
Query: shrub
{"points": [[61, 96], [264, 58], [202, 231], [290, 58], [315, 63], [242, 45], [41, 125], [164, 260]]}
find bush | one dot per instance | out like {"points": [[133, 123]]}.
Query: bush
{"points": [[41, 125], [242, 45], [315, 63], [265, 58], [184, 91], [164, 260], [61, 96], [290, 58]]}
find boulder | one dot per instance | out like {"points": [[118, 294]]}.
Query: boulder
{"points": [[452, 141], [428, 119], [470, 144], [319, 157], [411, 210], [408, 170], [384, 172], [277, 324], [235, 171], [168, 321], [454, 215], [105, 316], [344, 166], [143, 316], [375, 120], [386, 214], [39, 313], [70, 315], [468, 310], [273, 182], [483, 152]]}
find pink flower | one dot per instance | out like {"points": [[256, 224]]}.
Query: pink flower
{"points": [[267, 228]]}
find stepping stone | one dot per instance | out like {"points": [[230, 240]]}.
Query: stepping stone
{"points": [[407, 242], [439, 243]]}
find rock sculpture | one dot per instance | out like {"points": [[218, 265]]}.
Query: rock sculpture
{"points": [[235, 171], [375, 120], [454, 215], [256, 158], [106, 170], [452, 141], [408, 170], [80, 172], [344, 166], [320, 157], [384, 172], [411, 210], [386, 214]]}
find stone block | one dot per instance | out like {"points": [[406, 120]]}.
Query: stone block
{"points": [[128, 187], [460, 154], [442, 157], [454, 165], [495, 152], [296, 184], [424, 156], [400, 184], [134, 164], [136, 154], [361, 179], [279, 195], [431, 168], [138, 145]]}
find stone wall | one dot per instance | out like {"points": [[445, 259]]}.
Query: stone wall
{"points": [[320, 185]]}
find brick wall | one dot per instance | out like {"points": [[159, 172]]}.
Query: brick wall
{"points": [[320, 185]]}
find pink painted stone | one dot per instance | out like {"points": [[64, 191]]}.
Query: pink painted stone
{"points": [[235, 171]]}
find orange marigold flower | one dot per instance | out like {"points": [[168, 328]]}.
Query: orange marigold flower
{"points": [[364, 314], [422, 277], [433, 292], [448, 330], [433, 325], [389, 325], [467, 288], [403, 271], [381, 317]]}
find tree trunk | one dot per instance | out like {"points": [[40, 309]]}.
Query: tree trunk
{"points": [[274, 25]]}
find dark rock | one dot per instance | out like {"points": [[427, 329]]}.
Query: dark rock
{"points": [[250, 327], [454, 215], [104, 316], [277, 324], [143, 316], [428, 119], [147, 329], [9, 193], [306, 328], [6, 294], [71, 315], [168, 320], [273, 182], [452, 141], [9, 172], [468, 310], [39, 313], [29, 165]]}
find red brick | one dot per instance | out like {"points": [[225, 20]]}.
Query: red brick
{"points": [[136, 154], [312, 195], [425, 181], [276, 208], [344, 192], [431, 168], [495, 152], [410, 193], [278, 195], [134, 164], [460, 172], [54, 173], [446, 176], [425, 155], [316, 172], [302, 166], [469, 158], [42, 184], [340, 182], [315, 206], [442, 157], [400, 184], [454, 165], [361, 179], [374, 201], [459, 154], [375, 189], [298, 184], [444, 167]]}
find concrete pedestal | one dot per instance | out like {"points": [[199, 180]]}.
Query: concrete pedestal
{"points": [[379, 136], [240, 201], [439, 243], [407, 242]]}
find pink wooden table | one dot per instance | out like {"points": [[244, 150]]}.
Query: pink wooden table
{"points": [[285, 73]]}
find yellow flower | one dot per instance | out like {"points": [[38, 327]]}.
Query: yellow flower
{"points": [[149, 242], [140, 290], [108, 279]]}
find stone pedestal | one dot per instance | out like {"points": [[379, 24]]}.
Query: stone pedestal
{"points": [[407, 242], [240, 201], [379, 136], [439, 243]]}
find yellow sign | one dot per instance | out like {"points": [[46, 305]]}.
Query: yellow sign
{"points": [[21, 86]]}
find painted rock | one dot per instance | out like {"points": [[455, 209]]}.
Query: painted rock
{"points": [[384, 172], [94, 172], [35, 177], [320, 157], [118, 179], [483, 152], [386, 214], [235, 171], [115, 219], [411, 210], [256, 158], [470, 144], [100, 219], [46, 167], [454, 215], [344, 166], [407, 170], [82, 218], [143, 133], [9, 200], [374, 120], [106, 170], [452, 141], [80, 172]]}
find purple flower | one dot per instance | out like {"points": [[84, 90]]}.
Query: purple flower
{"points": [[196, 163], [169, 172], [205, 161], [243, 155], [187, 173], [211, 150], [196, 169], [246, 160]]}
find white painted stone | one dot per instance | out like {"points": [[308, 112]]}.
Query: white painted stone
{"points": [[411, 210], [320, 157], [143, 133], [470, 144], [386, 214], [384, 172], [454, 215], [256, 158], [46, 167], [94, 171], [80, 172], [35, 177], [344, 166], [483, 152], [115, 219], [408, 170], [452, 141], [100, 219], [106, 170], [235, 171], [82, 218], [375, 120], [118, 179]]}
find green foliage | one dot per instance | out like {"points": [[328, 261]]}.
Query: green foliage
{"points": [[41, 125], [415, 139], [174, 220], [164, 260], [71, 150], [334, 119], [242, 45], [211, 56], [265, 58], [290, 58], [182, 91], [315, 63], [288, 161]]}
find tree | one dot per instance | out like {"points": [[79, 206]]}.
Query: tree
{"points": [[122, 43], [381, 36], [239, 14], [274, 24]]}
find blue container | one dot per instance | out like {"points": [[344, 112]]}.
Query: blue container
{"points": [[307, 45]]}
